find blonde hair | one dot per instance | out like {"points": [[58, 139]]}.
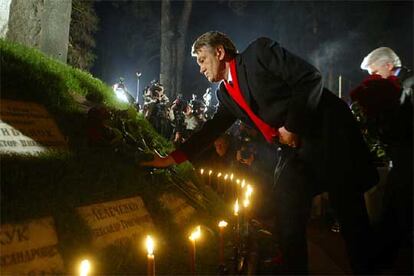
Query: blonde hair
{"points": [[381, 56]]}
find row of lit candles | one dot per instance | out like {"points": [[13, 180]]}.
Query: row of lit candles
{"points": [[219, 174], [226, 187], [230, 176], [85, 266]]}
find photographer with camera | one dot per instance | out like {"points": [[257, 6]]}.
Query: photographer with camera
{"points": [[122, 92], [155, 108], [177, 118]]}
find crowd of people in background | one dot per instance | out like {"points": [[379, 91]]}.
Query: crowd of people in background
{"points": [[174, 119]]}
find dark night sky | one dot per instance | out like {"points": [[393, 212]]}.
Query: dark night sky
{"points": [[337, 33]]}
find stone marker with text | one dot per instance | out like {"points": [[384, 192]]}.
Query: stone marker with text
{"points": [[27, 128], [30, 248], [116, 222]]}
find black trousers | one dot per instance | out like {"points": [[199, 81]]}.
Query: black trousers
{"points": [[395, 227], [296, 181]]}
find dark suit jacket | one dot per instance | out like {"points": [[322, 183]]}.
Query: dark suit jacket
{"points": [[284, 90]]}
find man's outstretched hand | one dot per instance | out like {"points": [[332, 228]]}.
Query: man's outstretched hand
{"points": [[288, 138], [159, 162]]}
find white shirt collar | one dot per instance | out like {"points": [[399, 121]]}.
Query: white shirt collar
{"points": [[229, 78], [397, 71]]}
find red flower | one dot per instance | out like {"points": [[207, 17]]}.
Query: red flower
{"points": [[376, 94]]}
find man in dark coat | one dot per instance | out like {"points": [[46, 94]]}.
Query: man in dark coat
{"points": [[282, 95]]}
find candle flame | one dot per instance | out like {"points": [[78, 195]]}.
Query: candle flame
{"points": [[236, 207], [202, 171], [222, 224], [238, 181], [249, 190], [195, 235], [150, 245], [246, 202], [210, 172], [85, 267], [219, 175], [226, 176], [243, 183], [231, 177]]}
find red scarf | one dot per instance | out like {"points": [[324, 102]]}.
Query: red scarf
{"points": [[234, 91]]}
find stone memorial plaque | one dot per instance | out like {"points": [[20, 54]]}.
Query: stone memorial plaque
{"points": [[30, 248], [178, 207], [117, 222], [27, 128]]}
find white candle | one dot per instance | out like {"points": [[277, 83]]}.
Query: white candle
{"points": [[150, 256], [222, 224], [85, 267], [195, 235]]}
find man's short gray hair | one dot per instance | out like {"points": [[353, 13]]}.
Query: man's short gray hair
{"points": [[213, 39], [381, 56]]}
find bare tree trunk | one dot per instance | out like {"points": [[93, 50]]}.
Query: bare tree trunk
{"points": [[166, 43], [173, 68], [42, 24], [173, 47], [180, 44]]}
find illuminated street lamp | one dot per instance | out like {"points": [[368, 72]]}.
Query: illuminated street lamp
{"points": [[138, 76]]}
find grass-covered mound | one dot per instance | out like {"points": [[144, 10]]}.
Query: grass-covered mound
{"points": [[92, 171]]}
